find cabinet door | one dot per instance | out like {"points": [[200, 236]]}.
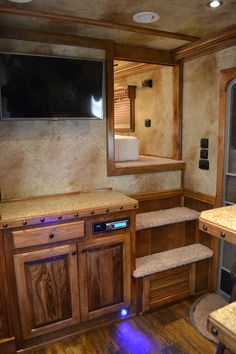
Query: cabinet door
{"points": [[47, 286], [105, 278]]}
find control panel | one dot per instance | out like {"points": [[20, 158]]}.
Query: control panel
{"points": [[110, 225]]}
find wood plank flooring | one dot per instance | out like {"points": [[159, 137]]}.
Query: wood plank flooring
{"points": [[165, 331]]}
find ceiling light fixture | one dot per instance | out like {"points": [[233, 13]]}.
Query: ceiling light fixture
{"points": [[20, 1], [146, 17], [215, 3]]}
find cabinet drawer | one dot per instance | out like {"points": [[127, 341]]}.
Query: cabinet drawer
{"points": [[47, 234]]}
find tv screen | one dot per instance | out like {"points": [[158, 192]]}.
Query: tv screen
{"points": [[39, 87]]}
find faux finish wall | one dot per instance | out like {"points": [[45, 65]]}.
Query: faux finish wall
{"points": [[155, 103], [41, 158], [201, 116]]}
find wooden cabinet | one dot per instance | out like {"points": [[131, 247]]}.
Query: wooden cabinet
{"points": [[64, 266], [105, 275], [48, 292], [61, 286]]}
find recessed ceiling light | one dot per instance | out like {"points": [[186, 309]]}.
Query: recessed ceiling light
{"points": [[215, 3], [20, 1], [146, 17]]}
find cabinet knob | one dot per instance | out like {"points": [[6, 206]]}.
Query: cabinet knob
{"points": [[121, 208], [92, 212], [59, 217], [205, 227], [107, 210], [215, 331], [51, 236], [76, 215], [73, 253], [24, 223], [5, 225], [222, 234], [42, 219]]}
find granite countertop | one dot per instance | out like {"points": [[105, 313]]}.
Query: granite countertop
{"points": [[85, 203], [224, 217], [226, 317]]}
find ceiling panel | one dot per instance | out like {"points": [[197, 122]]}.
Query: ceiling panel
{"points": [[189, 17]]}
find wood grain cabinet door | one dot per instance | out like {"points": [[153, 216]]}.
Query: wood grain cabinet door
{"points": [[48, 289], [105, 276]]}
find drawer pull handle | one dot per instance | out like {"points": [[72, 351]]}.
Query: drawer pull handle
{"points": [[204, 227], [42, 219], [107, 210], [59, 217], [51, 236], [74, 253], [121, 208], [76, 215], [5, 225], [222, 234], [24, 223], [214, 330], [92, 212]]}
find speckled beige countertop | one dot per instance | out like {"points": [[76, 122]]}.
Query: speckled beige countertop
{"points": [[226, 317], [84, 203], [224, 217]]}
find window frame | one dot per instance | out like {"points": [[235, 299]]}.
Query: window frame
{"points": [[154, 57]]}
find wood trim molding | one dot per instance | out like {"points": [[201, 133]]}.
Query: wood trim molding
{"points": [[173, 193], [54, 38], [158, 195], [110, 108], [200, 196], [134, 69], [8, 345], [145, 55], [225, 77], [162, 167], [177, 114], [153, 56], [92, 22], [216, 41]]}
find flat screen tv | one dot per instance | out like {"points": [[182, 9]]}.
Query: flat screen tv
{"points": [[44, 87]]}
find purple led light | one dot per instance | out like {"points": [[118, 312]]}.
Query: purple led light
{"points": [[124, 312]]}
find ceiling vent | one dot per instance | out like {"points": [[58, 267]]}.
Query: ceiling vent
{"points": [[146, 17]]}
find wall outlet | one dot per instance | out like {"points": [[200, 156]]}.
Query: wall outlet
{"points": [[146, 83], [204, 143], [204, 154], [204, 164], [147, 123]]}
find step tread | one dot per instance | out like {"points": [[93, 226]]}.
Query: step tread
{"points": [[174, 258], [165, 217]]}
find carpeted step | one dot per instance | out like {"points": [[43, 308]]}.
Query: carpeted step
{"points": [[165, 217], [174, 258]]}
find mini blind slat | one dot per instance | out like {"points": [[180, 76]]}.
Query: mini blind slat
{"points": [[123, 108]]}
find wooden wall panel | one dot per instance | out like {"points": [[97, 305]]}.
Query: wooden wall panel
{"points": [[4, 330], [163, 238], [214, 244], [202, 276], [158, 201]]}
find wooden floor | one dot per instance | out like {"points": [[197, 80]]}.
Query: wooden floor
{"points": [[166, 331]]}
